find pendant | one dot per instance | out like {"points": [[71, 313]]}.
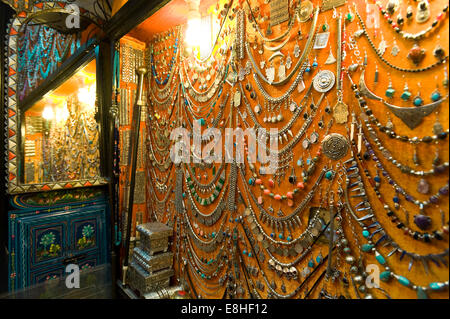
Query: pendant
{"points": [[324, 81], [288, 62], [340, 112], [392, 6], [306, 143], [281, 72], [418, 101], [416, 54], [237, 99], [423, 186], [422, 221], [270, 74], [321, 40], [314, 138], [293, 177], [412, 116], [257, 109], [439, 53], [335, 146], [437, 128], [301, 86], [262, 64], [395, 49], [292, 106], [382, 47], [297, 50], [331, 59], [423, 11]]}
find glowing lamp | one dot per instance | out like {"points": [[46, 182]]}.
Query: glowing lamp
{"points": [[47, 113]]}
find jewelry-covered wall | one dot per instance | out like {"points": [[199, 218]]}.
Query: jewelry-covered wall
{"points": [[358, 204]]}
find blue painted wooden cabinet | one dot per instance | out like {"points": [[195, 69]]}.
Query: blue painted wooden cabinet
{"points": [[43, 240]]}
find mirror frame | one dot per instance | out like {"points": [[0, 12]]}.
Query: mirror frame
{"points": [[14, 110]]}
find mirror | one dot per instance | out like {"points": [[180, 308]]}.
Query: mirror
{"points": [[61, 133], [54, 107]]}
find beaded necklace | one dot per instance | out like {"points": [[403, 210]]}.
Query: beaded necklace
{"points": [[411, 36], [371, 247], [281, 224], [433, 199], [414, 140], [159, 80], [380, 56], [425, 236], [404, 168]]}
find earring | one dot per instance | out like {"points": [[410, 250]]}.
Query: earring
{"points": [[315, 64], [319, 258], [311, 263], [308, 67], [435, 96], [390, 90], [406, 95], [409, 12], [400, 19], [418, 101], [331, 59], [436, 159], [325, 26], [297, 49], [288, 62], [389, 123], [395, 49], [377, 75], [437, 126]]}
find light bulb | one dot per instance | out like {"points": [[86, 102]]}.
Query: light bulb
{"points": [[194, 32], [47, 113]]}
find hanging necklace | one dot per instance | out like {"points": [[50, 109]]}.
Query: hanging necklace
{"points": [[404, 168], [300, 62], [422, 204], [396, 25], [368, 112], [206, 246], [257, 28], [411, 116], [420, 220], [371, 247], [362, 31]]}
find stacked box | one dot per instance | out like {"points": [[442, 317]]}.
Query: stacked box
{"points": [[150, 267]]}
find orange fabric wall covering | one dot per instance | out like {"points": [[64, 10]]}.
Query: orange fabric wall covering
{"points": [[401, 151]]}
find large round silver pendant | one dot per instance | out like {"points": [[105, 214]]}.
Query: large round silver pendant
{"points": [[324, 81]]}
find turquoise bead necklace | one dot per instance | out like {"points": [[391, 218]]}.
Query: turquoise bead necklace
{"points": [[370, 247]]}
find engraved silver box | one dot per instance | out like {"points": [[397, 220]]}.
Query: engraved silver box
{"points": [[154, 237]]}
